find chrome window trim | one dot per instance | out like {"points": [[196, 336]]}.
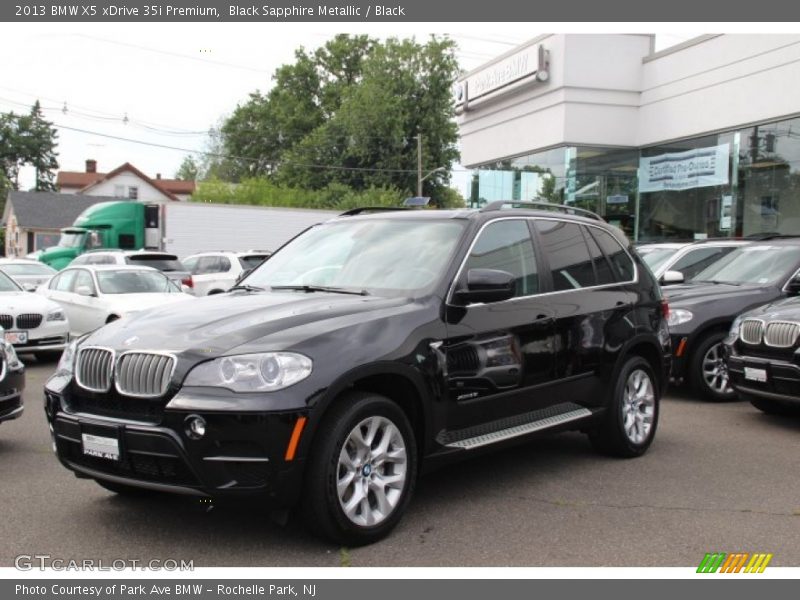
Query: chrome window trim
{"points": [[451, 289], [781, 322], [793, 275], [144, 396], [78, 370]]}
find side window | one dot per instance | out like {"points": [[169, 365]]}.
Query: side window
{"points": [[83, 278], [507, 246], [191, 265], [698, 259], [224, 264], [206, 264], [63, 283], [621, 263], [602, 268], [567, 253], [83, 259]]}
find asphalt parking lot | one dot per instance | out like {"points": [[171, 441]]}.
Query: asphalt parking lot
{"points": [[718, 478]]}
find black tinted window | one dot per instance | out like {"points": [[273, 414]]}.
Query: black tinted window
{"points": [[621, 263], [165, 263], [602, 268], [507, 246], [566, 251]]}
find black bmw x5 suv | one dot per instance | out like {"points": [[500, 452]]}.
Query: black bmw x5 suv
{"points": [[366, 349]]}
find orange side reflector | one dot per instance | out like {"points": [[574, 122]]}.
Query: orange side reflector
{"points": [[681, 348], [295, 439]]}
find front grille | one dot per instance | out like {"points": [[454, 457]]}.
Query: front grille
{"points": [[112, 405], [93, 368], [6, 321], [463, 360], [29, 321], [751, 331], [144, 374], [781, 334]]}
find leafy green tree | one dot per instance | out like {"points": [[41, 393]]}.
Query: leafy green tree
{"points": [[189, 169], [27, 140]]}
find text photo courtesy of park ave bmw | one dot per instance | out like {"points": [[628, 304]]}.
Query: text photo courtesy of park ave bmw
{"points": [[304, 291]]}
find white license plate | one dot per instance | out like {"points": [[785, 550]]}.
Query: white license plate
{"points": [[755, 374], [101, 447], [16, 337]]}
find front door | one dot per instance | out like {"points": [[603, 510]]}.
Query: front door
{"points": [[500, 354]]}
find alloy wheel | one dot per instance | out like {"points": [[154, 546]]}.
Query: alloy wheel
{"points": [[715, 371], [638, 406]]}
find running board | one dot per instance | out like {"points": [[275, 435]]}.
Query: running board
{"points": [[506, 429]]}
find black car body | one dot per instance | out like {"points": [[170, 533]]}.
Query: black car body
{"points": [[458, 329], [763, 356], [12, 382], [751, 276]]}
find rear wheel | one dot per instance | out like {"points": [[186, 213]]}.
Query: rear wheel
{"points": [[630, 422], [362, 470], [709, 373]]}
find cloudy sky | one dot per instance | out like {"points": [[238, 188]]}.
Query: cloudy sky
{"points": [[147, 94]]}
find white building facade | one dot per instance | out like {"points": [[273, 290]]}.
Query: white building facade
{"points": [[699, 140]]}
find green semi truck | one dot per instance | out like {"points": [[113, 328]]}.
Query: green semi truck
{"points": [[181, 228]]}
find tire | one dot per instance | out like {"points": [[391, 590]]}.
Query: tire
{"points": [[772, 407], [708, 373], [48, 356], [336, 457], [629, 424], [122, 489]]}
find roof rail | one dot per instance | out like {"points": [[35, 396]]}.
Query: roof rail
{"points": [[500, 204], [369, 209]]}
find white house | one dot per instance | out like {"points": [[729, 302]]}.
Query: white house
{"points": [[126, 181]]}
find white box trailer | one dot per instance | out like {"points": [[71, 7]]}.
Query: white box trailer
{"points": [[186, 228]]}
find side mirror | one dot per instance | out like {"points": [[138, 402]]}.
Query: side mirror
{"points": [[28, 287], [486, 285], [84, 290], [793, 287], [671, 278]]}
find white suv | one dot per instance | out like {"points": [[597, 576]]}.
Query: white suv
{"points": [[216, 272]]}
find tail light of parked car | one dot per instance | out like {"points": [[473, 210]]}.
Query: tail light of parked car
{"points": [[188, 281], [665, 308]]}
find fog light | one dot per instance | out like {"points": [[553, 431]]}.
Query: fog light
{"points": [[195, 427]]}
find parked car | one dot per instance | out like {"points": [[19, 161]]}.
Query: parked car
{"points": [[702, 311], [12, 382], [216, 272], [31, 323], [762, 355], [94, 295], [163, 261], [30, 274], [674, 263], [369, 347]]}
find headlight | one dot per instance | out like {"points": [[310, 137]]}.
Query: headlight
{"points": [[57, 314], [67, 361], [12, 360], [677, 316], [263, 372], [734, 330]]}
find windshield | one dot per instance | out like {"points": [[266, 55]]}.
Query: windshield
{"points": [[756, 264], [162, 263], [7, 284], [33, 269], [656, 257], [134, 282], [392, 255], [72, 240]]}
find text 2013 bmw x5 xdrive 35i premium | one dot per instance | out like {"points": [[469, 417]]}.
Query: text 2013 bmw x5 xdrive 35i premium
{"points": [[367, 348]]}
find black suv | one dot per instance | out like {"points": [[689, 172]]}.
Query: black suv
{"points": [[701, 312], [763, 357], [366, 348]]}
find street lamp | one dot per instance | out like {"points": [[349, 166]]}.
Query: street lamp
{"points": [[420, 177]]}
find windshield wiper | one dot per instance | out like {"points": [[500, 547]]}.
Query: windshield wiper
{"points": [[319, 288], [246, 288]]}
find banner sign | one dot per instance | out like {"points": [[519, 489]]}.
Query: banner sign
{"points": [[696, 168]]}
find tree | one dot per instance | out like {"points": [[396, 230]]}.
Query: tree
{"points": [[348, 114], [189, 169], [27, 140]]}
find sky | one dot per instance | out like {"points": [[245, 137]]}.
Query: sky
{"points": [[166, 84]]}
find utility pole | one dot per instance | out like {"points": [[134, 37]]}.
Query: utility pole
{"points": [[419, 164]]}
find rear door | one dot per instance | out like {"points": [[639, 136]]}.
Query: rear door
{"points": [[500, 354], [593, 309]]}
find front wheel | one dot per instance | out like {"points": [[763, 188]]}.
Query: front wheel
{"points": [[631, 418], [709, 373], [362, 470]]}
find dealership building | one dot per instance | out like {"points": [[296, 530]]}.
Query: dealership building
{"points": [[699, 140]]}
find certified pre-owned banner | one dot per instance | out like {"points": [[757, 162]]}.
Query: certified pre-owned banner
{"points": [[696, 168]]}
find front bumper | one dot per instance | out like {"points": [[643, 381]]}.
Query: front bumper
{"points": [[782, 377], [242, 453], [50, 336], [11, 387]]}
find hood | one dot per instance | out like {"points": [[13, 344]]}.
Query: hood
{"points": [[785, 309], [213, 325], [134, 303], [19, 302]]}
